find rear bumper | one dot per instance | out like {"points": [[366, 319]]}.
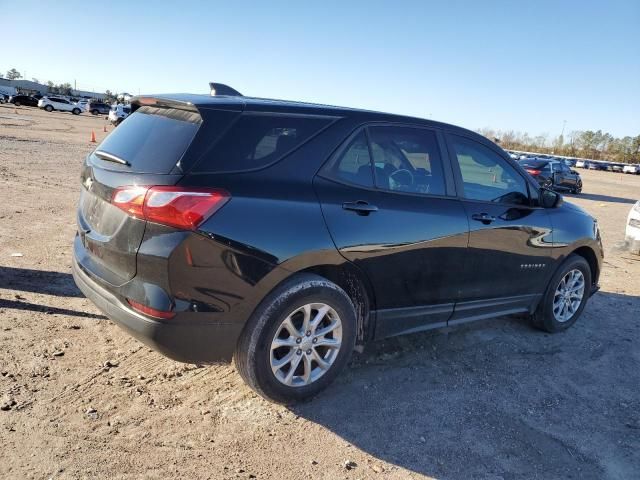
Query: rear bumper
{"points": [[177, 339], [633, 243]]}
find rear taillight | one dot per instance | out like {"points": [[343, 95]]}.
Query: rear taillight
{"points": [[533, 171], [152, 312], [184, 208]]}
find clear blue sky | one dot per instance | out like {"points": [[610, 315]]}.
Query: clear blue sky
{"points": [[501, 64]]}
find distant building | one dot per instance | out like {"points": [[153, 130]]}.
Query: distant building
{"points": [[6, 88], [32, 88]]}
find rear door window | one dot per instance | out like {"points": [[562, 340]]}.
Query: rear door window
{"points": [[256, 141], [407, 159], [152, 140]]}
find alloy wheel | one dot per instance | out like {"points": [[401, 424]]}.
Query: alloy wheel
{"points": [[568, 295], [306, 344]]}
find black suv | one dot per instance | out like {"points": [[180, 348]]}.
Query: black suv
{"points": [[25, 100], [286, 235], [98, 108], [553, 174]]}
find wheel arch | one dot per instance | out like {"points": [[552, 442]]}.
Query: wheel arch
{"points": [[355, 283], [590, 256]]}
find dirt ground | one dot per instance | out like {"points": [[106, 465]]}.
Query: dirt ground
{"points": [[494, 400]]}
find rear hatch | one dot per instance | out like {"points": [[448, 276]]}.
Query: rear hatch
{"points": [[149, 148]]}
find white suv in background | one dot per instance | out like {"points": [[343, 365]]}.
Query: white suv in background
{"points": [[632, 233], [58, 103], [634, 168], [118, 113]]}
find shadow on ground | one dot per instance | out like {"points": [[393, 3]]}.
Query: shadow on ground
{"points": [[34, 307], [39, 281], [498, 399], [602, 198], [44, 282]]}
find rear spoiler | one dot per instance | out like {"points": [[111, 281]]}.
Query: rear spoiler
{"points": [[151, 101], [181, 101]]}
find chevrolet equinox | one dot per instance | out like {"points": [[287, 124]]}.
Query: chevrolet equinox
{"points": [[285, 235]]}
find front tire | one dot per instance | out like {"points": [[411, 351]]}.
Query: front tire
{"points": [[566, 296], [95, 112], [17, 104], [578, 188], [298, 340]]}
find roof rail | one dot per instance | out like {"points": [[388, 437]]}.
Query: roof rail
{"points": [[222, 89]]}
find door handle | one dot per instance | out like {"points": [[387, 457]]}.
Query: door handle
{"points": [[484, 218], [360, 207]]}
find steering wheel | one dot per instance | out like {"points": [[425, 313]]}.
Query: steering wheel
{"points": [[401, 170]]}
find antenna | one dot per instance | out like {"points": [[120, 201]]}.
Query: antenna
{"points": [[218, 89]]}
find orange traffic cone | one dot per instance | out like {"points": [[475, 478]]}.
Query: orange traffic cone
{"points": [[104, 129], [93, 136]]}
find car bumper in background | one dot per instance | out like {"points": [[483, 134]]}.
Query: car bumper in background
{"points": [[632, 239], [632, 232], [178, 340]]}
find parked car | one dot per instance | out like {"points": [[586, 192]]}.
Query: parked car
{"points": [[581, 164], [58, 103], [98, 108], [597, 166], [25, 100], [570, 162], [118, 113], [220, 227], [632, 233], [4, 98], [553, 174], [633, 168], [83, 103], [616, 167]]}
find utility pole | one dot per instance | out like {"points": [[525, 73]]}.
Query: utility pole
{"points": [[564, 124]]}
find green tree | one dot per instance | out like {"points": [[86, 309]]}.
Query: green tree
{"points": [[13, 74], [109, 96], [64, 88]]}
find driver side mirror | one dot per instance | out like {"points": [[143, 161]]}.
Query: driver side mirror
{"points": [[550, 199]]}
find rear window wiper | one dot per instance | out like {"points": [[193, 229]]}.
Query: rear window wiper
{"points": [[109, 157]]}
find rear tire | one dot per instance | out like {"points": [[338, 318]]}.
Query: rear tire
{"points": [[279, 319], [49, 108], [17, 104], [95, 112], [76, 111], [551, 315]]}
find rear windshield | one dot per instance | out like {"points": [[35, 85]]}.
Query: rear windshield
{"points": [[152, 140], [533, 163], [255, 141]]}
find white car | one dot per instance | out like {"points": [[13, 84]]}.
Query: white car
{"points": [[633, 168], [632, 234], [83, 104], [580, 164], [58, 103], [118, 113]]}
